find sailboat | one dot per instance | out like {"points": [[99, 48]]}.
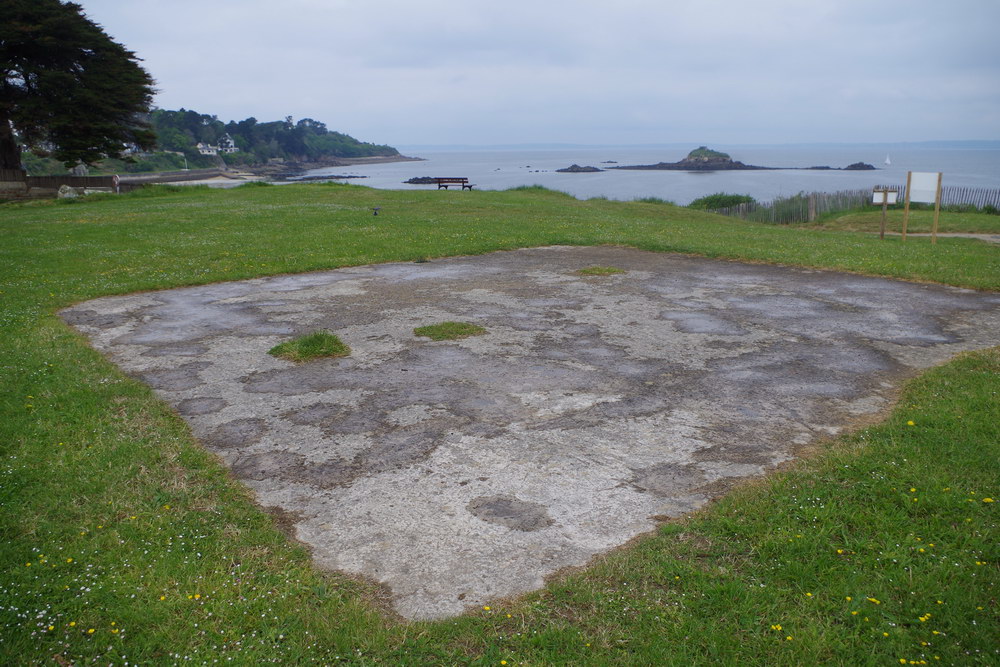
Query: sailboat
{"points": [[888, 162]]}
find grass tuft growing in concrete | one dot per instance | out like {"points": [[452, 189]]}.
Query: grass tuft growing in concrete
{"points": [[449, 330], [600, 271], [317, 345]]}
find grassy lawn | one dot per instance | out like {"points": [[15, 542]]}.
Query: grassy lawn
{"points": [[920, 222], [124, 541]]}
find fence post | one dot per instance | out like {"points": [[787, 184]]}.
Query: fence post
{"points": [[812, 208]]}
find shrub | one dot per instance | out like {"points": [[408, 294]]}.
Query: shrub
{"points": [[654, 200], [720, 200]]}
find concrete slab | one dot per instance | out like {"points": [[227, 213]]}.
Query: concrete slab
{"points": [[458, 472]]}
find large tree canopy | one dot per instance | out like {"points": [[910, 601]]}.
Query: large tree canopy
{"points": [[66, 88]]}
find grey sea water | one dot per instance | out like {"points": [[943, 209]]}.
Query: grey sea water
{"points": [[500, 169]]}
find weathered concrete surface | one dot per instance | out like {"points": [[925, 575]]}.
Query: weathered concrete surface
{"points": [[457, 472]]}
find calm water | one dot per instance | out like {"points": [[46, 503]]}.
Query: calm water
{"points": [[502, 169]]}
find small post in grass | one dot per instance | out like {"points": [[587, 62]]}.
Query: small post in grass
{"points": [[884, 196]]}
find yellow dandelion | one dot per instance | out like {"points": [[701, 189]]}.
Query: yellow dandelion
{"points": [[486, 608], [788, 638], [854, 613], [910, 423], [809, 595], [163, 597], [72, 624], [52, 627], [90, 631], [987, 500]]}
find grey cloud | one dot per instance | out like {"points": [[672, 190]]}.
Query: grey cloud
{"points": [[579, 70]]}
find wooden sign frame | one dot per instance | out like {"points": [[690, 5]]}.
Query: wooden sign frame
{"points": [[888, 196], [937, 201]]}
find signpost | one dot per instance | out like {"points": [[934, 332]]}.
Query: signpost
{"points": [[884, 196], [924, 187]]}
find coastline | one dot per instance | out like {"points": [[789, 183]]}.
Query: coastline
{"points": [[284, 170], [270, 172]]}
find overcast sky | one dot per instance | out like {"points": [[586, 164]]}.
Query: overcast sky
{"points": [[407, 72]]}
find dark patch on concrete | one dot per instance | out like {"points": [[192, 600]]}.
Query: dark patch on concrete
{"points": [[264, 465], [200, 406], [237, 433], [91, 318], [702, 322], [510, 512], [400, 449], [326, 475], [668, 479], [185, 376], [316, 376], [175, 351], [317, 414]]}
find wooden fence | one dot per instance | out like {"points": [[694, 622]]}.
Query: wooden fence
{"points": [[954, 195], [805, 207]]}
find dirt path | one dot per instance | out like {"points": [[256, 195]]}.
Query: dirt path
{"points": [[989, 238]]}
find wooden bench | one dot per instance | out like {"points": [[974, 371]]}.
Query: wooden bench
{"points": [[445, 182]]}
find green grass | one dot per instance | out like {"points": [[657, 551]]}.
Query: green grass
{"points": [[129, 525], [316, 345], [920, 222], [600, 271], [449, 330]]}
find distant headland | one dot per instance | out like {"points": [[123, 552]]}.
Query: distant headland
{"points": [[706, 159]]}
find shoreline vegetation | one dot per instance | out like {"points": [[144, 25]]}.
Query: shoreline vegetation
{"points": [[186, 139]]}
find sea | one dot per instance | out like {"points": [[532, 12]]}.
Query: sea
{"points": [[501, 168]]}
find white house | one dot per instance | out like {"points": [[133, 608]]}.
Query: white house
{"points": [[227, 145], [207, 149]]}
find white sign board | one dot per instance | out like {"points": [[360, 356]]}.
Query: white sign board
{"points": [[923, 187], [890, 196]]}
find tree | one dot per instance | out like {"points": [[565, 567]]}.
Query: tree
{"points": [[66, 88]]}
